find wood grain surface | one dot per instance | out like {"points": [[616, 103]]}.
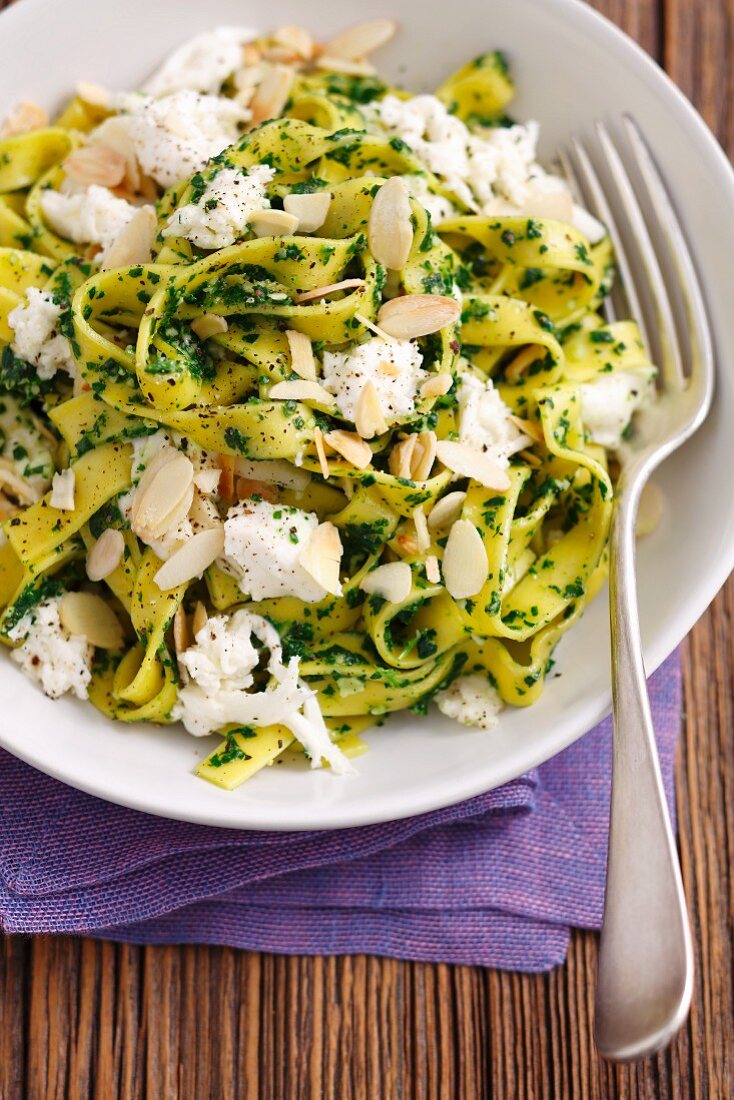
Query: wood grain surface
{"points": [[80, 1019]]}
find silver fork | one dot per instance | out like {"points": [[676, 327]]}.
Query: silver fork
{"points": [[645, 971]]}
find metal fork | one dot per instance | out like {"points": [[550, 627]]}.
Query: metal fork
{"points": [[645, 971]]}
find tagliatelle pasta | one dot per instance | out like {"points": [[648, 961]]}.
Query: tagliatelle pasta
{"points": [[359, 344]]}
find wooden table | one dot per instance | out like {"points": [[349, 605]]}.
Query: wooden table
{"points": [[81, 1019]]}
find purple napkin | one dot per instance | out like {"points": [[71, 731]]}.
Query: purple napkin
{"points": [[495, 881]]}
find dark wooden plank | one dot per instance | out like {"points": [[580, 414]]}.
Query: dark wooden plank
{"points": [[82, 1020]]}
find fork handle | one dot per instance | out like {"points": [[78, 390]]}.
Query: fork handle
{"points": [[645, 971]]}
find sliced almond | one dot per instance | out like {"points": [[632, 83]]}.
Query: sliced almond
{"points": [[530, 428], [467, 462], [311, 210], [378, 332], [15, 485], [446, 510], [433, 572], [246, 487], [87, 614], [105, 555], [134, 245], [362, 38], [190, 561], [350, 446], [650, 510], [330, 63], [181, 632], [322, 291], [401, 457], [392, 582], [272, 93], [226, 478], [321, 557], [163, 501], [408, 544], [318, 439], [62, 490], [93, 94], [424, 457], [114, 134], [414, 315], [368, 416], [301, 391], [96, 164], [302, 360], [273, 223], [203, 513], [390, 229], [423, 538], [209, 324], [436, 386], [297, 40], [23, 118], [465, 565], [200, 618], [251, 54]]}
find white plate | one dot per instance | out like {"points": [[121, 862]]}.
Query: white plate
{"points": [[571, 66]]}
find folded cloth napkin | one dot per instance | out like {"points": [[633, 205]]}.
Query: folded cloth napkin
{"points": [[495, 881]]}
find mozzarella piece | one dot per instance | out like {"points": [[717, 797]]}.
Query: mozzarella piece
{"points": [[36, 334], [176, 135], [484, 421], [472, 701], [609, 402], [262, 546], [58, 661], [437, 206], [202, 64], [87, 215], [221, 214], [345, 374]]}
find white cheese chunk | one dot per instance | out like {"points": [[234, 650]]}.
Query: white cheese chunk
{"points": [[62, 490], [484, 421], [58, 661], [175, 136], [472, 701], [608, 403], [36, 335], [201, 64], [262, 546], [437, 206], [87, 215], [222, 212], [346, 372]]}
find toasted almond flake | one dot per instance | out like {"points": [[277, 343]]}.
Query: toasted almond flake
{"points": [[368, 416], [272, 93], [392, 370], [203, 513], [63, 485], [446, 510], [301, 349], [114, 134], [346, 486], [393, 582], [423, 538], [199, 618], [390, 229], [530, 458], [273, 223], [333, 64], [246, 487], [181, 633], [226, 478], [105, 555], [528, 427], [401, 457], [98, 164], [17, 486], [321, 557], [275, 471], [134, 245], [87, 614], [251, 54], [23, 118], [162, 502], [433, 573], [372, 327], [522, 363], [414, 315], [209, 324], [295, 39], [363, 38], [301, 391], [190, 561], [93, 94], [408, 544], [351, 447], [466, 462], [465, 565], [424, 457], [318, 438], [311, 210], [322, 291], [650, 510], [436, 386]]}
